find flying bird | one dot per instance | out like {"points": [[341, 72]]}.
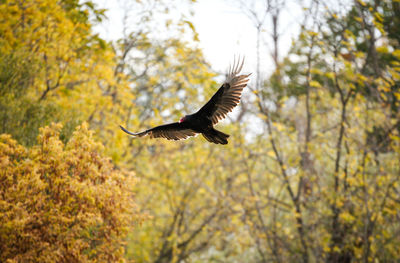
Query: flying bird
{"points": [[222, 102]]}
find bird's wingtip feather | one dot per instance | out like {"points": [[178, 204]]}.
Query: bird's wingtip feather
{"points": [[128, 132], [235, 68]]}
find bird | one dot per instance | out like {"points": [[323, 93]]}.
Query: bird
{"points": [[202, 122]]}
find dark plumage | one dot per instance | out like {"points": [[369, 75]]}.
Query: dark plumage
{"points": [[223, 102]]}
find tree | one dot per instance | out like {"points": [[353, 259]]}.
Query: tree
{"points": [[335, 172], [64, 203], [311, 172], [48, 56]]}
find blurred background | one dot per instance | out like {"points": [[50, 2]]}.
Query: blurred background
{"points": [[311, 171]]}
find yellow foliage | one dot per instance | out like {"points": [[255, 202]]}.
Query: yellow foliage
{"points": [[62, 203], [315, 84], [62, 200]]}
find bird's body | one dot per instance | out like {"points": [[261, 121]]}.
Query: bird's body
{"points": [[200, 123], [197, 122], [203, 121]]}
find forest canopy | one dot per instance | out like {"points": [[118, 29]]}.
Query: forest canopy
{"points": [[317, 181]]}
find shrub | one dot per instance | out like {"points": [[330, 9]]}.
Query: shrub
{"points": [[62, 203]]}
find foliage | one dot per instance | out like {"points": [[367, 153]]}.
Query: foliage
{"points": [[310, 174], [63, 203], [49, 56], [333, 142]]}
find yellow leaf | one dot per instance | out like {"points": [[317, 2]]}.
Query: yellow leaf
{"points": [[315, 84]]}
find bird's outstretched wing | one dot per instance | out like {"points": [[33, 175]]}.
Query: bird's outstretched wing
{"points": [[172, 131], [228, 96]]}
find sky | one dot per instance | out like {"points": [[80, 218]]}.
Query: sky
{"points": [[224, 30]]}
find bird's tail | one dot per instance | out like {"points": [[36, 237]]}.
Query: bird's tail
{"points": [[216, 136]]}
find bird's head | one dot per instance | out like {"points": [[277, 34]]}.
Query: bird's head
{"points": [[182, 119]]}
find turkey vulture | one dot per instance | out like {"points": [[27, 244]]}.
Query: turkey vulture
{"points": [[223, 101]]}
